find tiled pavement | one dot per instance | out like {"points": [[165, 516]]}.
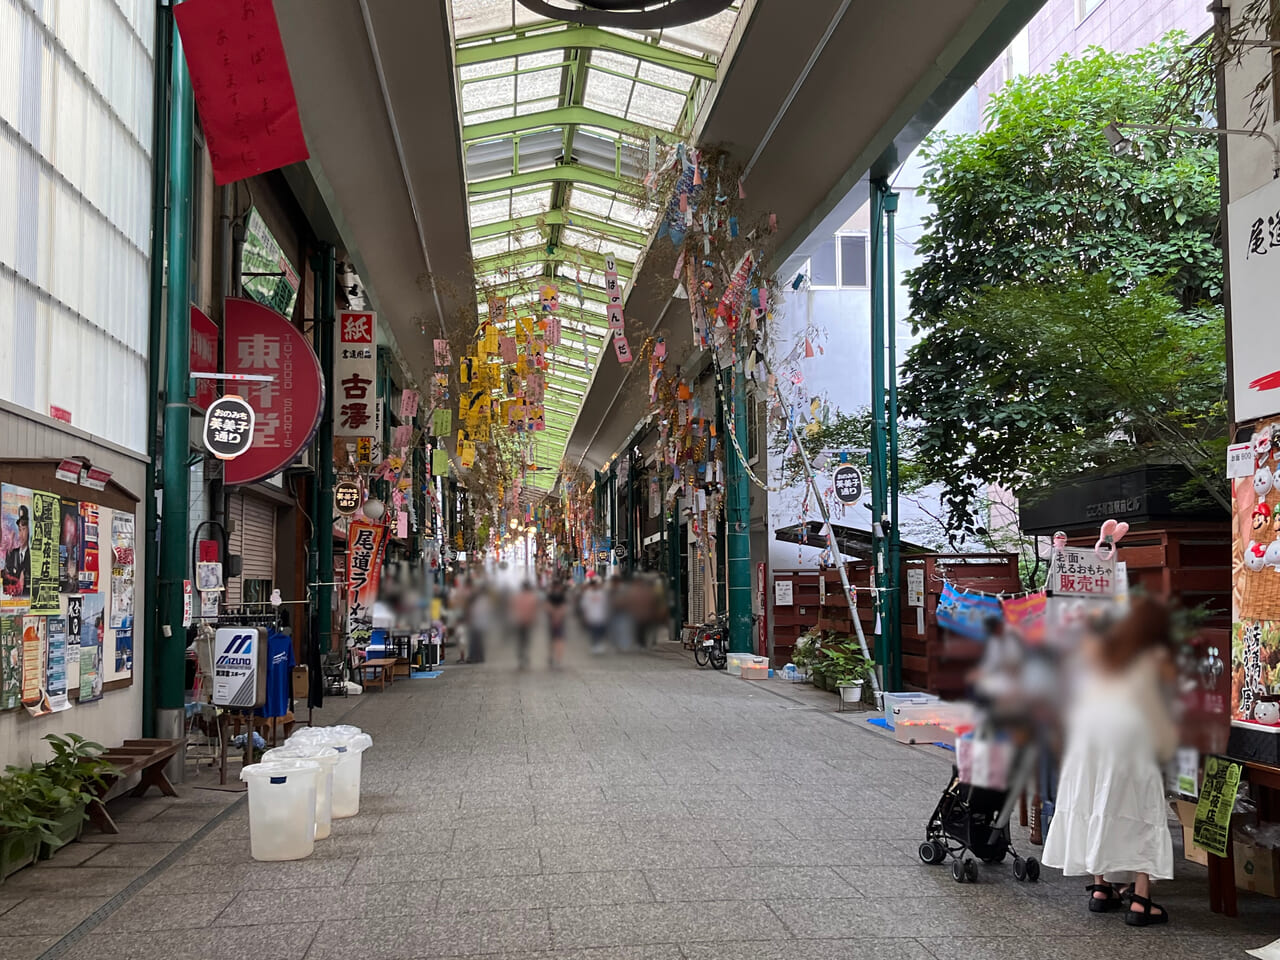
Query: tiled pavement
{"points": [[629, 806]]}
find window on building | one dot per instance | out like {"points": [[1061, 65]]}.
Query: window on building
{"points": [[1086, 7], [853, 261], [255, 590], [822, 266]]}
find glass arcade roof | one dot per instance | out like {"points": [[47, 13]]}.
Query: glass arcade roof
{"points": [[557, 121]]}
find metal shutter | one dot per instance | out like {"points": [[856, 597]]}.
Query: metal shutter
{"points": [[254, 539], [697, 581]]}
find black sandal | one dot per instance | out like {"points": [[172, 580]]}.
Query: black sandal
{"points": [[1106, 904], [1144, 917]]}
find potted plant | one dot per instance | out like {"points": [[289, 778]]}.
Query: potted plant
{"points": [[807, 652], [849, 671], [62, 788], [21, 830]]}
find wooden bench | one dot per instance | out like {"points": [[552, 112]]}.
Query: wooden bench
{"points": [[377, 671], [146, 757]]}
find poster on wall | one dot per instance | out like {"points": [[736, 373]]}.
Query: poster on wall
{"points": [[124, 652], [75, 621], [121, 569], [364, 570], [15, 542], [46, 511], [89, 547], [70, 547], [34, 697], [92, 633], [56, 665], [10, 661]]}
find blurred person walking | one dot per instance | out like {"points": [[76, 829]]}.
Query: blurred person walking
{"points": [[594, 609], [557, 614], [524, 612], [479, 621], [1110, 819]]}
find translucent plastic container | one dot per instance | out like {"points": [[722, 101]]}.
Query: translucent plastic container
{"points": [[351, 743], [327, 757], [894, 702], [282, 808], [757, 668], [736, 660]]}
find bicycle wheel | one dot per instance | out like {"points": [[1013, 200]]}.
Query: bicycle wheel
{"points": [[700, 655]]}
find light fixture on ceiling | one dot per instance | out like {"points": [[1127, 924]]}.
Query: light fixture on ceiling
{"points": [[628, 14]]}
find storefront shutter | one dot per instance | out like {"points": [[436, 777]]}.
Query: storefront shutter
{"points": [[254, 539]]}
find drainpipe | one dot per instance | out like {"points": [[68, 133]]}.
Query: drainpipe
{"points": [[738, 518], [159, 160], [170, 656], [893, 600], [879, 478], [326, 279]]}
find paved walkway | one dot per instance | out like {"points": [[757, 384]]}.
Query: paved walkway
{"points": [[629, 806]]}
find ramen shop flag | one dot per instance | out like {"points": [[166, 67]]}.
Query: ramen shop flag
{"points": [[243, 90]]}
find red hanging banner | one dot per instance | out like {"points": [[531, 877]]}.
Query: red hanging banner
{"points": [[242, 86]]}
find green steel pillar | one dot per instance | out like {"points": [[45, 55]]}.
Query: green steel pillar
{"points": [[737, 517], [326, 280], [170, 662], [160, 160], [893, 604], [879, 472]]}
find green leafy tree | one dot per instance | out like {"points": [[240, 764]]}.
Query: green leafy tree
{"points": [[1067, 296]]}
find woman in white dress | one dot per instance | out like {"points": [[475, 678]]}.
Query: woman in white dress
{"points": [[1110, 818]]}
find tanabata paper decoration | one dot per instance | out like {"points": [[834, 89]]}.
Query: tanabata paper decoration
{"points": [[498, 310], [441, 422], [440, 462], [966, 613], [537, 353], [621, 347], [467, 454], [524, 329], [441, 349], [243, 90], [403, 435], [551, 332], [465, 368], [613, 289], [549, 296], [507, 349], [409, 404], [1024, 616], [490, 339]]}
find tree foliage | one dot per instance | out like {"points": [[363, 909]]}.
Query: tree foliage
{"points": [[1067, 295]]}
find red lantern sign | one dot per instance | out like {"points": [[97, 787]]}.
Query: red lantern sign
{"points": [[261, 342]]}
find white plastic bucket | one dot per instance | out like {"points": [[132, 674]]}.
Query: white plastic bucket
{"points": [[351, 743], [327, 757], [282, 808]]}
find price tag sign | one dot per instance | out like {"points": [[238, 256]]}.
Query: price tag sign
{"points": [[1239, 461]]}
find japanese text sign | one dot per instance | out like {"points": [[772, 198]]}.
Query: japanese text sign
{"points": [[228, 427], [365, 541], [355, 374], [1077, 572], [1212, 829], [204, 357], [287, 407], [242, 86], [613, 289], [1253, 229]]}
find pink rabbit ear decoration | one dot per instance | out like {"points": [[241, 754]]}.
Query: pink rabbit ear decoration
{"points": [[1059, 540], [1112, 532]]}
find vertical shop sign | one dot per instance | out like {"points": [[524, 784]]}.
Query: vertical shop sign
{"points": [[75, 625], [89, 536], [93, 628], [204, 357], [364, 568], [46, 508], [1253, 224], [243, 90], [121, 569], [34, 697], [288, 407], [354, 377], [10, 661]]}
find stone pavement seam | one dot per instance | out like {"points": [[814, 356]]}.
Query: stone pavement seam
{"points": [[87, 925]]}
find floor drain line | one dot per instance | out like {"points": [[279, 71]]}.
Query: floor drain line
{"points": [[86, 926]]}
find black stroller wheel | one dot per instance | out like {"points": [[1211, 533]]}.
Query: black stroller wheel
{"points": [[931, 853], [1019, 869], [957, 871], [1033, 869], [971, 870]]}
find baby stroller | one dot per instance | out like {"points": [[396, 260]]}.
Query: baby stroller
{"points": [[972, 815]]}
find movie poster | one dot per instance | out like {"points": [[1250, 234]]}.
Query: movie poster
{"points": [[93, 624], [70, 547], [15, 545], [124, 653], [34, 697], [89, 547], [75, 618], [46, 510], [10, 662], [121, 569]]}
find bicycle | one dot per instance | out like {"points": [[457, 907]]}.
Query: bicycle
{"points": [[711, 643]]}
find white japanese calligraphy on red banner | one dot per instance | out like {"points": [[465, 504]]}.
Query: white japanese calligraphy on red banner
{"points": [[364, 569], [613, 288], [355, 371]]}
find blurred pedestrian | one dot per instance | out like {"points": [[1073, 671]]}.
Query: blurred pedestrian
{"points": [[524, 613], [1110, 818], [479, 620], [594, 610], [557, 614]]}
